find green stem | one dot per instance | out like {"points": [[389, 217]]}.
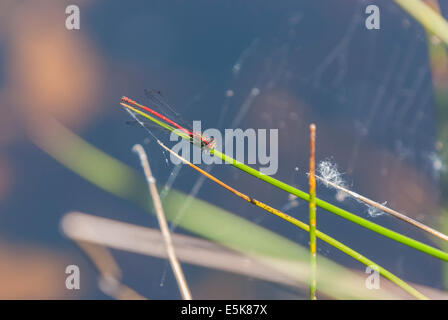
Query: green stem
{"points": [[427, 17], [336, 210], [312, 213], [357, 256], [320, 203]]}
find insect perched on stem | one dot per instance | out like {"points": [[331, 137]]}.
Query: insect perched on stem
{"points": [[158, 102]]}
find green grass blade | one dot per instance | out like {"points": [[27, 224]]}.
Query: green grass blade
{"points": [[312, 212], [428, 18], [352, 253], [336, 210], [321, 203]]}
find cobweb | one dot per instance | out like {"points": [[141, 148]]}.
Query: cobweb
{"points": [[375, 85], [369, 91]]}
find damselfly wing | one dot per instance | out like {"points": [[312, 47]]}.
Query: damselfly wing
{"points": [[160, 109]]}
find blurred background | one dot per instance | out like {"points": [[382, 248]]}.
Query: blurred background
{"points": [[371, 93]]}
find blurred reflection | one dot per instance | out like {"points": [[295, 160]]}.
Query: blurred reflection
{"points": [[50, 69], [370, 94]]}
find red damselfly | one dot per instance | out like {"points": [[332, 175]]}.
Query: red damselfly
{"points": [[157, 102]]}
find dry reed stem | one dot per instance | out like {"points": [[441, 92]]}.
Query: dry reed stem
{"points": [[175, 265], [388, 210]]}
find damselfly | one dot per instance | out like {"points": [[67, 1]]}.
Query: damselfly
{"points": [[158, 102]]}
